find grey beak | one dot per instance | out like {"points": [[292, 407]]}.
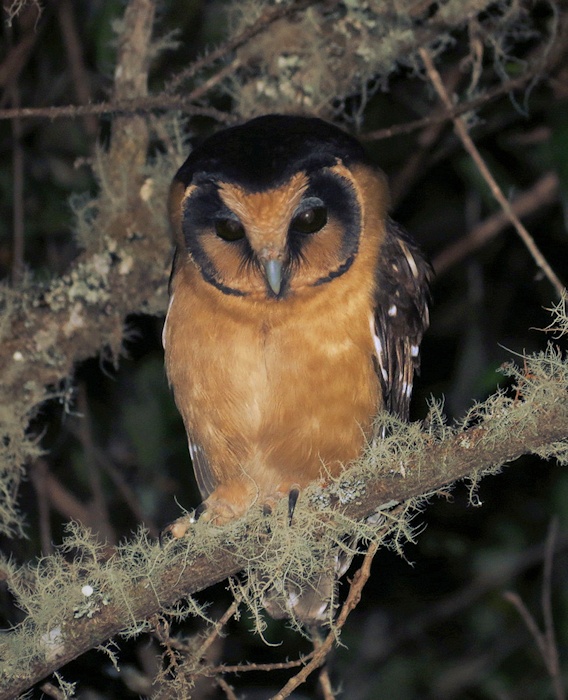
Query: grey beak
{"points": [[273, 272]]}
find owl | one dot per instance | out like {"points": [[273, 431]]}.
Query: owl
{"points": [[297, 307]]}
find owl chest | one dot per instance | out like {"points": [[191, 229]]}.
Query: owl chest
{"points": [[300, 376]]}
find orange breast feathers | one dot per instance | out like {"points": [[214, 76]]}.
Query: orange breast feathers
{"points": [[274, 392]]}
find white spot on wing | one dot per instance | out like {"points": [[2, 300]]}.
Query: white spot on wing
{"points": [[378, 348], [293, 599], [166, 322], [392, 310], [195, 451], [414, 350], [376, 339], [409, 259]]}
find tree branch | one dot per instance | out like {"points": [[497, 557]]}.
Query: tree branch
{"points": [[268, 17], [462, 132], [137, 105], [322, 649], [543, 193], [180, 569]]}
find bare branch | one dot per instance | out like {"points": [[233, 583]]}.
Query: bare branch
{"points": [[270, 15], [76, 63], [552, 657], [217, 629], [543, 193], [430, 466], [462, 132], [277, 666], [472, 105], [545, 641], [137, 105], [226, 688], [321, 650]]}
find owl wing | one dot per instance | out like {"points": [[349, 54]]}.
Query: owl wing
{"points": [[203, 474], [400, 316]]}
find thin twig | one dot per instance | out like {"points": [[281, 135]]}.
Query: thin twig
{"points": [[461, 131], [530, 623], [38, 474], [277, 666], [217, 629], [77, 68], [98, 506], [138, 105], [52, 691], [16, 58], [269, 16], [186, 648], [543, 193], [359, 580], [553, 663], [214, 80], [456, 110], [545, 641], [226, 688], [17, 180], [325, 685]]}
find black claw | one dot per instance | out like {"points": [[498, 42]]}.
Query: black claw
{"points": [[292, 500], [164, 536], [266, 511], [198, 512]]}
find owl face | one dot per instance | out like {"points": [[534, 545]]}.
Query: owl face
{"points": [[272, 207]]}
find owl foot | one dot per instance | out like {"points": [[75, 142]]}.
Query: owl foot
{"points": [[180, 526], [269, 503], [292, 500]]}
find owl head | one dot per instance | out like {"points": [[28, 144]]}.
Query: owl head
{"points": [[275, 206]]}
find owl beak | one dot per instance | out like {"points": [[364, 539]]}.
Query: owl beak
{"points": [[273, 272]]}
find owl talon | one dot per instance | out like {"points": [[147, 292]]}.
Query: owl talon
{"points": [[164, 536], [198, 512], [175, 530], [292, 500], [178, 528]]}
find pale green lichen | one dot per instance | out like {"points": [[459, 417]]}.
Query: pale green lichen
{"points": [[327, 54], [76, 583], [75, 300]]}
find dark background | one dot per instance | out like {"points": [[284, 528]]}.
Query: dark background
{"points": [[434, 624]]}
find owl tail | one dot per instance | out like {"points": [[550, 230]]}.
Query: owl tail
{"points": [[312, 601]]}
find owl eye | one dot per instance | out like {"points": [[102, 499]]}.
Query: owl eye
{"points": [[229, 229], [310, 221]]}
